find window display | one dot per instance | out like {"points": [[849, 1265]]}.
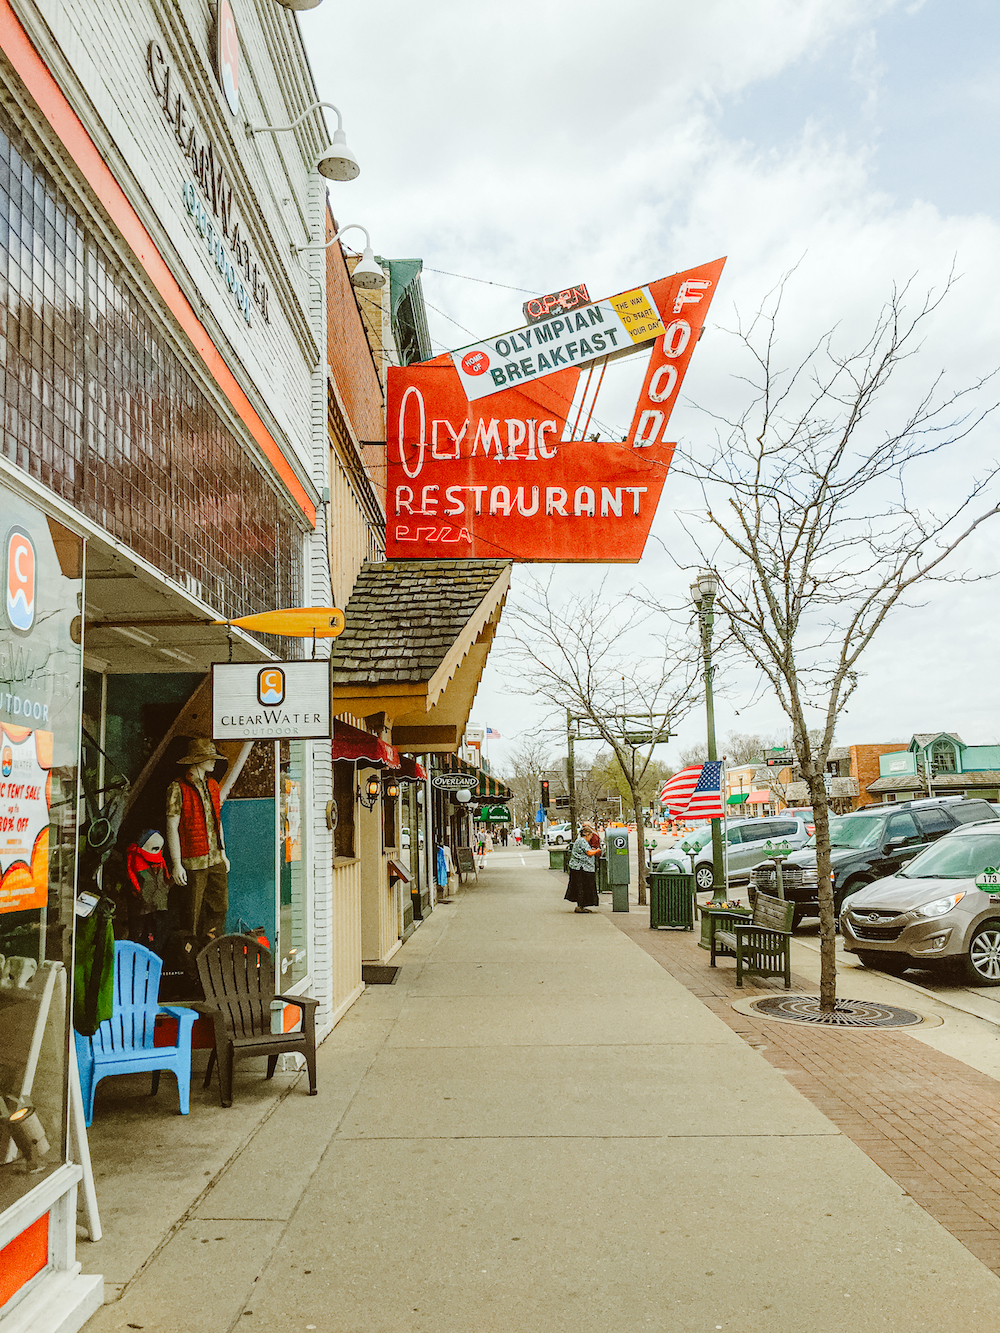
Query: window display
{"points": [[197, 844], [292, 931], [40, 685]]}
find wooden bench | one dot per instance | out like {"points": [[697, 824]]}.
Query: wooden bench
{"points": [[761, 946]]}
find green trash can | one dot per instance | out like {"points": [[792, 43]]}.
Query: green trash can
{"points": [[558, 858], [602, 874], [536, 844], [671, 901]]}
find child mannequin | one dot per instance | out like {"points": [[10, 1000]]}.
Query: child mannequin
{"points": [[149, 891]]}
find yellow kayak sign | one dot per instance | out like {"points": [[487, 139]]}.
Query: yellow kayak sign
{"points": [[296, 622]]}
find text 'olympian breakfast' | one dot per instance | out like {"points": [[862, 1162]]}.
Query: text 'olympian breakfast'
{"points": [[613, 327]]}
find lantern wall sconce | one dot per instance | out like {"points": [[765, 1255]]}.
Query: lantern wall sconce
{"points": [[369, 794]]}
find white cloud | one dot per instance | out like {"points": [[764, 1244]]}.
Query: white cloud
{"points": [[537, 144]]}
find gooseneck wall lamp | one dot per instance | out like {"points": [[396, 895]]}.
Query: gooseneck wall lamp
{"points": [[367, 274], [336, 162]]}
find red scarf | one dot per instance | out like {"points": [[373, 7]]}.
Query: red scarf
{"points": [[137, 860]]}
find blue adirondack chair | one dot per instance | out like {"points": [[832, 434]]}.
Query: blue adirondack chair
{"points": [[123, 1044]]}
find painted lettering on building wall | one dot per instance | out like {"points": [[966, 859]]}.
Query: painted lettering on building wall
{"points": [[208, 174]]}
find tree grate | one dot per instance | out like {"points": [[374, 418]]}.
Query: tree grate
{"points": [[846, 1013]]}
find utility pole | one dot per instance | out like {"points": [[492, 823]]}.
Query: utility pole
{"points": [[570, 773], [703, 591]]}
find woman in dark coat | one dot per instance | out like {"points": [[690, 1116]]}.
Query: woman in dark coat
{"points": [[582, 887]]}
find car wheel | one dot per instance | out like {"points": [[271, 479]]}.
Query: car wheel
{"points": [[982, 964], [893, 964], [704, 878], [559, 840]]}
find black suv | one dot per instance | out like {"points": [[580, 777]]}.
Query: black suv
{"points": [[867, 845]]}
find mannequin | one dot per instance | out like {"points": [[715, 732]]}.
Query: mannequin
{"points": [[148, 899], [195, 841]]}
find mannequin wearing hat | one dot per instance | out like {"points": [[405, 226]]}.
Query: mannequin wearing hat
{"points": [[195, 842]]}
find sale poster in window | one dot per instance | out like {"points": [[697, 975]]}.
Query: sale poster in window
{"points": [[25, 796]]}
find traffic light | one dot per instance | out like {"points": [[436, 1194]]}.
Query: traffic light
{"points": [[545, 793]]}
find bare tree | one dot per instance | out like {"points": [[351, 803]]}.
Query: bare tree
{"points": [[694, 754], [573, 654], [812, 525], [591, 786], [741, 748], [523, 770], [606, 776]]}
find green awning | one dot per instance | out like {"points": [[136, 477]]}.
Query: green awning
{"points": [[737, 798], [494, 814]]}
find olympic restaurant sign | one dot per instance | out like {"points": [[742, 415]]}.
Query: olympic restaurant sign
{"points": [[481, 463]]}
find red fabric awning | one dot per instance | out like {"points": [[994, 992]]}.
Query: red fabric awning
{"points": [[361, 747], [760, 798], [409, 768]]}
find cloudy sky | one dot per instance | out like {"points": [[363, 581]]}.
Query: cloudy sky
{"points": [[531, 145]]}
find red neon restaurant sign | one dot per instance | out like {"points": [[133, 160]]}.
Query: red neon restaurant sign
{"points": [[482, 464]]}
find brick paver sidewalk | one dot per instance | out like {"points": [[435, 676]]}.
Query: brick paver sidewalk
{"points": [[929, 1121]]}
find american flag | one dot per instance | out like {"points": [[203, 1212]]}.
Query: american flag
{"points": [[492, 734], [695, 792]]}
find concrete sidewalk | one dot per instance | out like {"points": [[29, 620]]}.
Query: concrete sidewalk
{"points": [[537, 1128]]}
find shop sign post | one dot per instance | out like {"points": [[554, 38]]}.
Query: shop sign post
{"points": [[482, 459], [454, 782], [271, 702]]}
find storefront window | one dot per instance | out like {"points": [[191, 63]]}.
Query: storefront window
{"points": [[292, 942], [40, 704], [99, 408]]}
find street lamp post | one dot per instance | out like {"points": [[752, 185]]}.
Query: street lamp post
{"points": [[703, 591]]}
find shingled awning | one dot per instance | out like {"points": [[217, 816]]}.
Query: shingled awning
{"points": [[984, 778], [417, 636]]}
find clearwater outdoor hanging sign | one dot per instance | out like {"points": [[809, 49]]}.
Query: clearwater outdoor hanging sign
{"points": [[482, 462]]}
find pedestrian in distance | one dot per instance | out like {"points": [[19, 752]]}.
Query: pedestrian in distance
{"points": [[582, 887], [485, 847]]}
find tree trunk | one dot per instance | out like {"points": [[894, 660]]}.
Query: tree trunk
{"points": [[640, 838], [827, 919]]}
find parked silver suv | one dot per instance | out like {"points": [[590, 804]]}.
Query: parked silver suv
{"points": [[745, 847], [930, 912]]}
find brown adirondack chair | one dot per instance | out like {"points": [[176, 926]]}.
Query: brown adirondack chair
{"points": [[238, 978]]}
